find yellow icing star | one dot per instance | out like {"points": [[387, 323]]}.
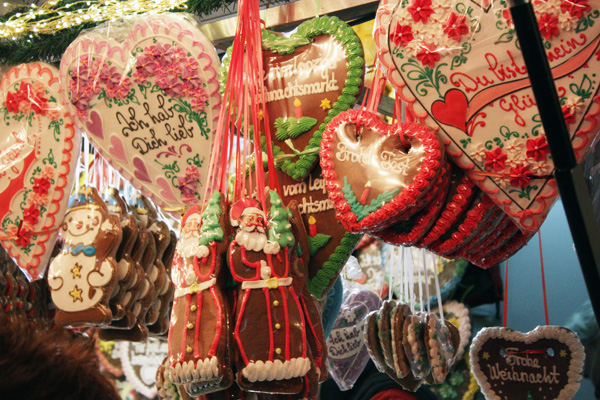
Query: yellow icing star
{"points": [[76, 271], [563, 353], [76, 294], [325, 104], [106, 347], [486, 355]]}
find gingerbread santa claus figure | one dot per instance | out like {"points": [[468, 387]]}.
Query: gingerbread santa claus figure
{"points": [[199, 330], [270, 334]]}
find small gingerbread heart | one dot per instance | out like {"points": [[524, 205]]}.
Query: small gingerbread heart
{"points": [[376, 173]]}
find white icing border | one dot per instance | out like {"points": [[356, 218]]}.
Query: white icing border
{"points": [[260, 371], [560, 333], [204, 371], [130, 374]]}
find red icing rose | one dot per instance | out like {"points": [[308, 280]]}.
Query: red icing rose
{"points": [[12, 102], [537, 148], [495, 159], [31, 215], [455, 26], [548, 25], [520, 176], [569, 116], [420, 10], [575, 8], [23, 238], [402, 35], [41, 185], [428, 55]]}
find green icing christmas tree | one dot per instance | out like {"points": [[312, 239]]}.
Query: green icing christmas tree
{"points": [[317, 242], [211, 231], [529, 396], [291, 127], [280, 228]]}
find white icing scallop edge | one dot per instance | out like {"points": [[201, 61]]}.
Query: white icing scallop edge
{"points": [[464, 324], [541, 332], [137, 384]]}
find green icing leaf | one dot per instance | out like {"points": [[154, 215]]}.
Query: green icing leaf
{"points": [[299, 126], [363, 211], [317, 242]]}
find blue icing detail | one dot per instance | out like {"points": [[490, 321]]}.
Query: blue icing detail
{"points": [[332, 306]]}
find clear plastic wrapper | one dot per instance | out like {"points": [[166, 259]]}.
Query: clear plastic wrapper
{"points": [[38, 151], [145, 91]]}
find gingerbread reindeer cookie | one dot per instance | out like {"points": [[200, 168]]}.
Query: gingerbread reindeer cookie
{"points": [[199, 331], [83, 275]]}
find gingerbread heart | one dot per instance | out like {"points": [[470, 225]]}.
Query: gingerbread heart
{"points": [[515, 365], [148, 104], [347, 354], [330, 244], [376, 173], [37, 160], [309, 78], [140, 362], [459, 67]]}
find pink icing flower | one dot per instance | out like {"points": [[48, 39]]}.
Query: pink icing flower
{"points": [[146, 65], [25, 107], [39, 89], [520, 176], [402, 35], [163, 52], [456, 26], [174, 69], [548, 25], [191, 79], [138, 78], [82, 114], [428, 54], [190, 64], [37, 199], [537, 148], [420, 10], [12, 230], [48, 173], [495, 159], [575, 8]]}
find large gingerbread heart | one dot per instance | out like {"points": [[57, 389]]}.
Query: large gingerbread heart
{"points": [[37, 159], [149, 103], [309, 79], [545, 363], [376, 173], [458, 66], [330, 244]]}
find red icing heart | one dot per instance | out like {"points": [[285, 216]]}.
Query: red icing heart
{"points": [[452, 110], [514, 365], [377, 173]]}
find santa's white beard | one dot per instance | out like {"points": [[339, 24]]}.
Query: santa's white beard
{"points": [[187, 246], [254, 241]]}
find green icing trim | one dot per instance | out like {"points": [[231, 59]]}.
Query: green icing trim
{"points": [[292, 127], [317, 242], [363, 211], [334, 265], [280, 228], [344, 34], [211, 231]]}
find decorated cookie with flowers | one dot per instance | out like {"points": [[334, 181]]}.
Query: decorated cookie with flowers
{"points": [[148, 104], [459, 68], [37, 158]]}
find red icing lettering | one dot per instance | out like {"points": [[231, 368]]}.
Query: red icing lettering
{"points": [[469, 83], [515, 104], [566, 47], [502, 71]]}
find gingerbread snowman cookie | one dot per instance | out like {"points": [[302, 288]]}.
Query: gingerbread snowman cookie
{"points": [[83, 275]]}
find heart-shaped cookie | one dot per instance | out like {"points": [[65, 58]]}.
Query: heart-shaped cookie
{"points": [[37, 159], [149, 104], [459, 67], [309, 78], [330, 244], [458, 314], [376, 173], [515, 365], [140, 362], [347, 355]]}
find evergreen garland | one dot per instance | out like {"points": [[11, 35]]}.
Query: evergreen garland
{"points": [[50, 47]]}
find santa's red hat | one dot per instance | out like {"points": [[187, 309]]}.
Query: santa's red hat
{"points": [[244, 207], [192, 210]]}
